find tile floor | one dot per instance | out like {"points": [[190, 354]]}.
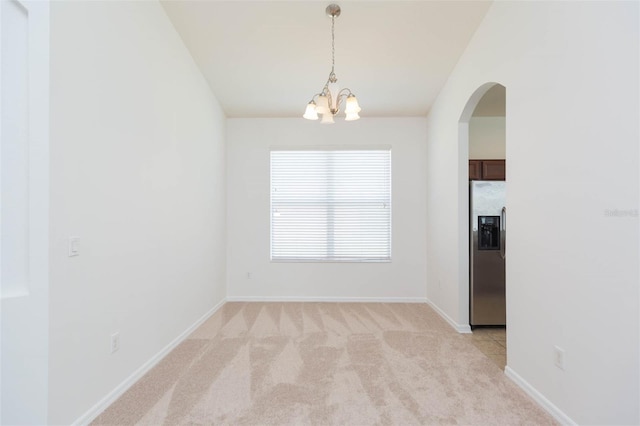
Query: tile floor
{"points": [[492, 342]]}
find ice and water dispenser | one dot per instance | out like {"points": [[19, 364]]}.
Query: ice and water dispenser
{"points": [[488, 232]]}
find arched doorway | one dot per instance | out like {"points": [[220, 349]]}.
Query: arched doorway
{"points": [[482, 158]]}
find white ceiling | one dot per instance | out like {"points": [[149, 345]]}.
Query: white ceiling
{"points": [[267, 58]]}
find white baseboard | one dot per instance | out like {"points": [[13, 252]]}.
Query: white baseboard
{"points": [[116, 393], [547, 405], [460, 328], [326, 299]]}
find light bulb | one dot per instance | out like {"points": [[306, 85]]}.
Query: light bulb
{"points": [[351, 116]]}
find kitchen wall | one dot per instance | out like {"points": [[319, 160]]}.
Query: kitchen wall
{"points": [[571, 76], [248, 191], [138, 174], [487, 138]]}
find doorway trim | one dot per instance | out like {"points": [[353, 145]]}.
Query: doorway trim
{"points": [[24, 305], [463, 201]]}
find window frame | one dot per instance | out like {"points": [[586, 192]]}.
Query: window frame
{"points": [[364, 259]]}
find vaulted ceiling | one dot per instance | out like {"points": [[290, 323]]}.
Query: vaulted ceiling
{"points": [[267, 58]]}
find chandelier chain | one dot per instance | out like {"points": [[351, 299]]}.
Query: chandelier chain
{"points": [[333, 43]]}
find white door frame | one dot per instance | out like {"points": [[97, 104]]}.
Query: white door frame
{"points": [[463, 201], [24, 302]]}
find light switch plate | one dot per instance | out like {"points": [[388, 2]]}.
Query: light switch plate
{"points": [[74, 246]]}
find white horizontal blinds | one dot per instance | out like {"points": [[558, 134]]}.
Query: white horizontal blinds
{"points": [[331, 205]]}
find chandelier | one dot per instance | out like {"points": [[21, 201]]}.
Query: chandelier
{"points": [[328, 102]]}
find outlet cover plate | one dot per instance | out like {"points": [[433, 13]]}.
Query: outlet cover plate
{"points": [[115, 342], [558, 357]]}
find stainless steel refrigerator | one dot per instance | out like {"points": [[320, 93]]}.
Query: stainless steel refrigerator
{"points": [[487, 253]]}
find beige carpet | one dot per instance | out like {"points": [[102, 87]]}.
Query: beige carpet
{"points": [[325, 364]]}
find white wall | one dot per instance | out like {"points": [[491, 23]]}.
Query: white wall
{"points": [[138, 173], [248, 211], [487, 138], [571, 76], [24, 217]]}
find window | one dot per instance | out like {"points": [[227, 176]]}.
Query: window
{"points": [[331, 205]]}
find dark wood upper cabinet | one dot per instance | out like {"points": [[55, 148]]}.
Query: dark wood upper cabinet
{"points": [[487, 170], [493, 169], [475, 169]]}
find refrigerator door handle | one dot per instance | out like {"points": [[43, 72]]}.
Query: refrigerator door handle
{"points": [[503, 230]]}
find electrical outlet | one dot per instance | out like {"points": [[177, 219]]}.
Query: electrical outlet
{"points": [[558, 357], [249, 275], [115, 342]]}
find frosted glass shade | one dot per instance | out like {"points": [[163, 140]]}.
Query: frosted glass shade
{"points": [[322, 107], [327, 118], [351, 116], [310, 113], [352, 106]]}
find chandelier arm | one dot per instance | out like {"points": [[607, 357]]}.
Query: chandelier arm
{"points": [[331, 79], [313, 98], [342, 95], [345, 92]]}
